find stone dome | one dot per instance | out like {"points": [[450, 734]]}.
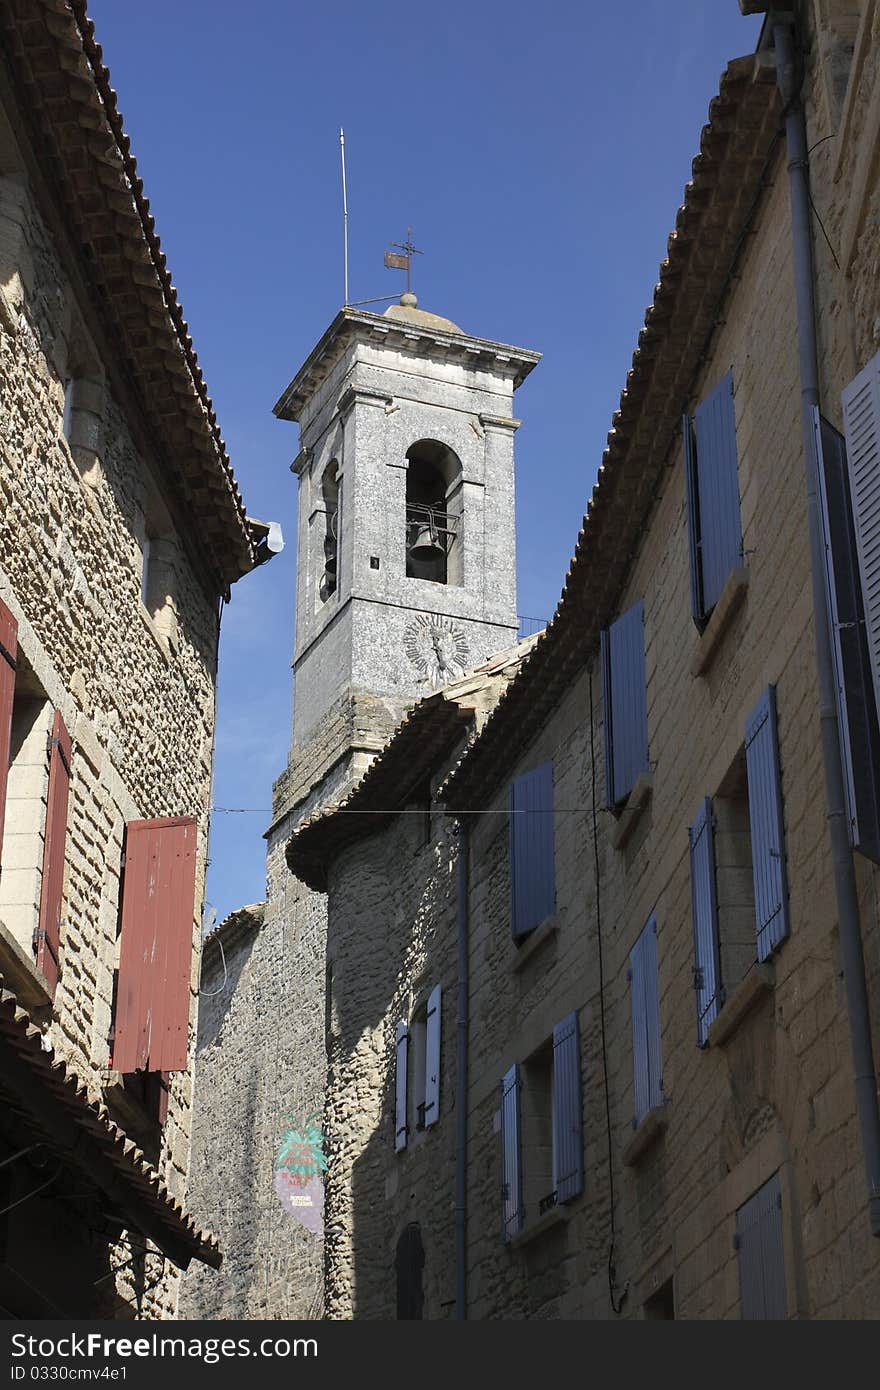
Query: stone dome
{"points": [[408, 311]]}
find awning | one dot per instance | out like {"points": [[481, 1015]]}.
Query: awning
{"points": [[53, 1103]]}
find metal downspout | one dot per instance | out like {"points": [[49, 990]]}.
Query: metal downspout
{"points": [[844, 868], [461, 1073]]}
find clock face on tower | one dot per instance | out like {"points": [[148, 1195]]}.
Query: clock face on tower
{"points": [[437, 648]]}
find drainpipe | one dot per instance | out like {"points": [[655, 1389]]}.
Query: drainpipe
{"points": [[461, 1074], [788, 79]]}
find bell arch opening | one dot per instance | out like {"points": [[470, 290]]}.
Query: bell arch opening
{"points": [[434, 514], [331, 485]]}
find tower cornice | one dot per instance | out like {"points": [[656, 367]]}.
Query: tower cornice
{"points": [[351, 326]]}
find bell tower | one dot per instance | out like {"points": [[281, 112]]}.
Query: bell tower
{"points": [[406, 569]]}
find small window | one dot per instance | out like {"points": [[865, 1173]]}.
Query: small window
{"points": [[712, 478], [532, 851], [541, 1129], [34, 789], [761, 1255], [83, 412], [409, 1264], [417, 1071], [625, 706], [645, 1002], [738, 883], [660, 1306], [159, 558]]}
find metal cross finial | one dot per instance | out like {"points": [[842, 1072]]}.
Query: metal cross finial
{"points": [[404, 262]]}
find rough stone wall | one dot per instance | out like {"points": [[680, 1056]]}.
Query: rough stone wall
{"points": [[391, 940], [138, 702], [777, 1095]]}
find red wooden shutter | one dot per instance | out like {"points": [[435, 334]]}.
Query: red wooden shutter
{"points": [[8, 653], [52, 888], [155, 962]]}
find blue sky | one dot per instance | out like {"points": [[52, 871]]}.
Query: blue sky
{"points": [[540, 168]]}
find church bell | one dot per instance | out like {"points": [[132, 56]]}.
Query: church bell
{"points": [[427, 544]]}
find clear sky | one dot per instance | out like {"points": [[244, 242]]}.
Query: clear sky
{"points": [[539, 153]]}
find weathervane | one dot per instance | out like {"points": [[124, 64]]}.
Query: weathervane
{"points": [[394, 261]]}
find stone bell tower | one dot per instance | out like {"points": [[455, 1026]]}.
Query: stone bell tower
{"points": [[406, 573], [406, 578]]}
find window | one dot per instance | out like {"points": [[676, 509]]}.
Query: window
{"points": [[739, 891], [761, 1256], [417, 1071], [35, 764], [542, 1157], [532, 851], [434, 505], [712, 486], [856, 707], [159, 559], [150, 1030], [660, 1306], [82, 420], [409, 1263], [625, 704], [331, 492], [645, 1001]]}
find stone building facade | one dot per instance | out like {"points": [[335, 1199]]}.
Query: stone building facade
{"points": [[121, 532], [665, 1106], [405, 579]]}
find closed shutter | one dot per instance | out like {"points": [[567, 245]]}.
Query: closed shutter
{"points": [[861, 423], [511, 1166], [532, 850], [626, 706], [568, 1144], [8, 656], [854, 693], [401, 1050], [155, 961], [693, 518], [52, 887], [707, 975], [760, 1249], [765, 819], [717, 493], [432, 1059], [645, 998]]}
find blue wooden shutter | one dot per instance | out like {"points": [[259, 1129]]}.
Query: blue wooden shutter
{"points": [[511, 1165], [693, 519], [765, 819], [856, 709], [401, 1048], [532, 850], [432, 1059], [645, 998], [652, 1004], [720, 528], [760, 1249], [626, 703], [861, 423], [707, 974], [607, 731], [568, 1144]]}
